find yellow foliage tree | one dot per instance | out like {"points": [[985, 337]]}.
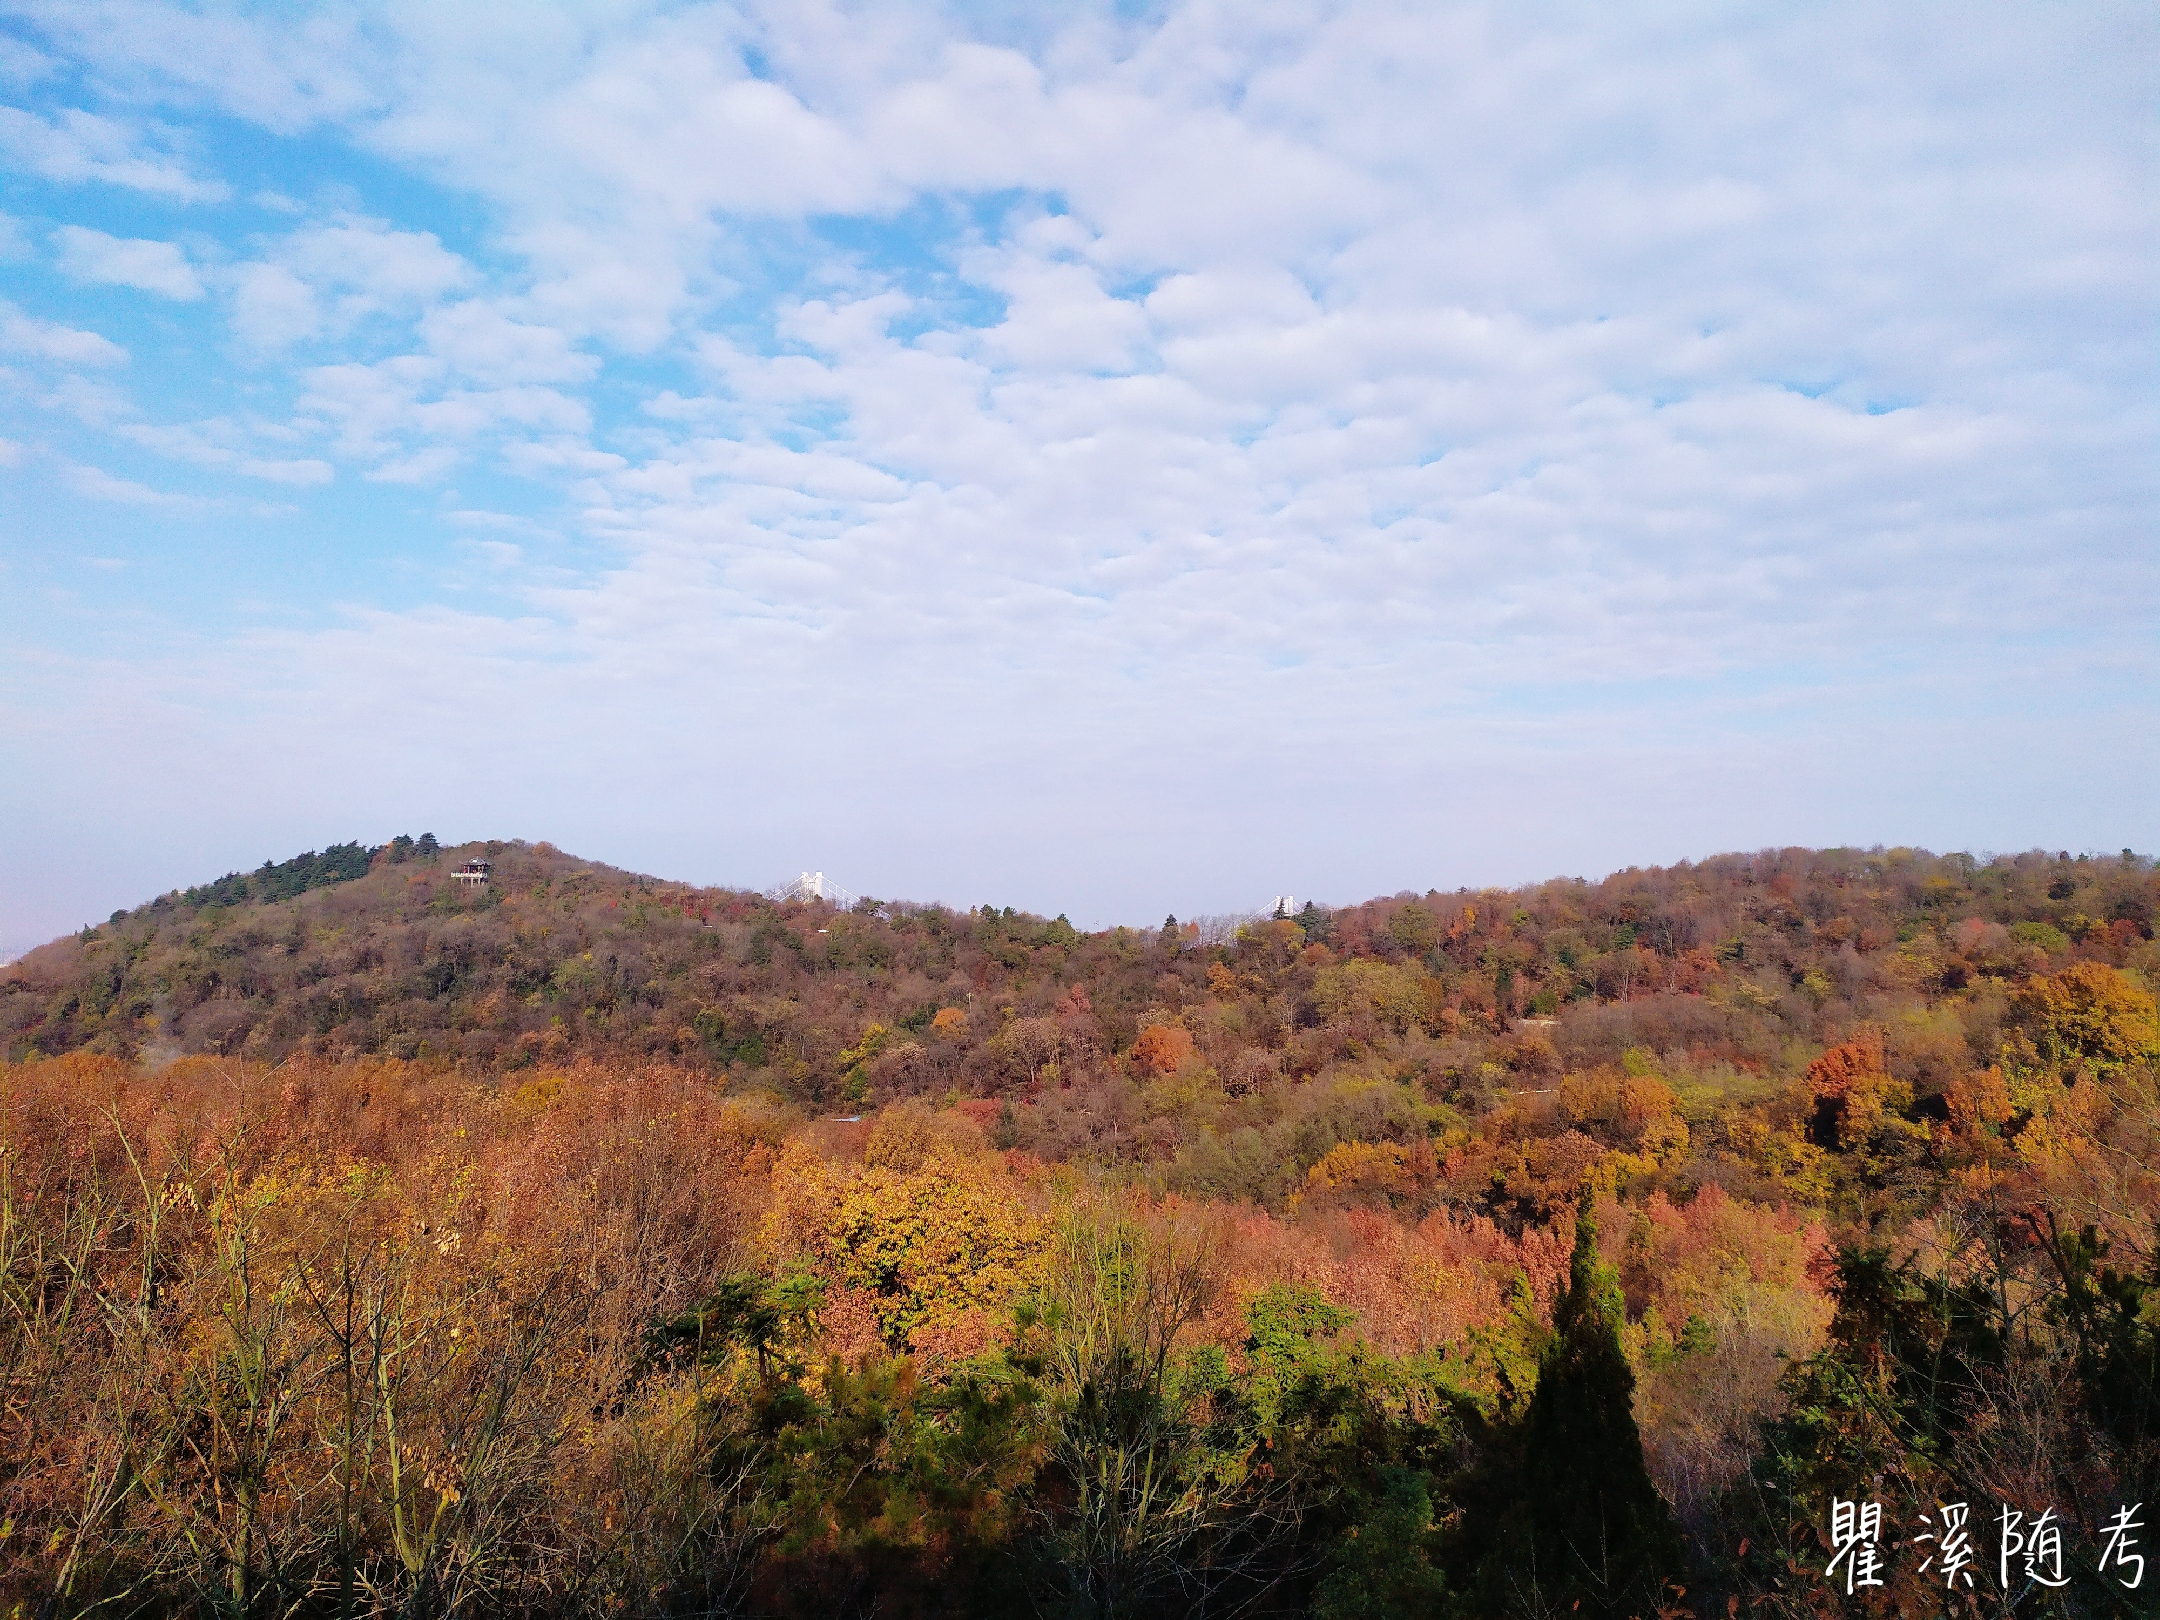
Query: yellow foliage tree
{"points": [[2089, 1018], [1359, 1167], [1396, 996], [933, 1245]]}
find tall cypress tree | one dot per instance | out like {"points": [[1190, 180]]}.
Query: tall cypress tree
{"points": [[1602, 1542]]}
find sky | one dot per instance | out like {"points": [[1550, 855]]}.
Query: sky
{"points": [[1100, 459]]}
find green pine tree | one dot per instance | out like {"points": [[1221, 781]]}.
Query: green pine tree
{"points": [[1384, 1568], [1602, 1543]]}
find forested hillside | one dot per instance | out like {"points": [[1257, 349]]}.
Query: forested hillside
{"points": [[594, 1243]]}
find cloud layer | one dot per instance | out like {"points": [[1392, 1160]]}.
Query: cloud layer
{"points": [[1112, 465]]}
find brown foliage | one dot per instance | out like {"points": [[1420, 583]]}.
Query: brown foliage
{"points": [[1163, 1049]]}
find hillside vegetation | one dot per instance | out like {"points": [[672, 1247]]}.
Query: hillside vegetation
{"points": [[597, 1244]]}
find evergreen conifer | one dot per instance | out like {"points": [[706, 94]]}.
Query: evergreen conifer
{"points": [[1602, 1541]]}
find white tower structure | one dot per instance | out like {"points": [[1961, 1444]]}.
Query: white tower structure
{"points": [[817, 886]]}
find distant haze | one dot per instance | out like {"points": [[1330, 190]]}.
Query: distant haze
{"points": [[1095, 463]]}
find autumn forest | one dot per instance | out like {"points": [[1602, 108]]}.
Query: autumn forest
{"points": [[376, 1242]]}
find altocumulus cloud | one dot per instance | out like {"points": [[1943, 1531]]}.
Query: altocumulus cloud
{"points": [[1107, 465], [157, 267]]}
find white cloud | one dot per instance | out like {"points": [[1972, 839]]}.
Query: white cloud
{"points": [[416, 415], [481, 342], [48, 340], [641, 109], [88, 400], [321, 281], [101, 485], [11, 453], [75, 146], [158, 267], [382, 267], [226, 447], [1059, 317], [22, 63], [272, 307], [533, 457], [98, 484], [285, 77], [420, 467], [510, 522], [302, 470]]}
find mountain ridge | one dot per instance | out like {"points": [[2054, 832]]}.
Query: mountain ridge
{"points": [[1733, 959]]}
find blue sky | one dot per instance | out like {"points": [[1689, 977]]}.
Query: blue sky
{"points": [[1101, 460]]}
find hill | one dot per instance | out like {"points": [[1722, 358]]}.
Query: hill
{"points": [[363, 1234], [1352, 1023]]}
